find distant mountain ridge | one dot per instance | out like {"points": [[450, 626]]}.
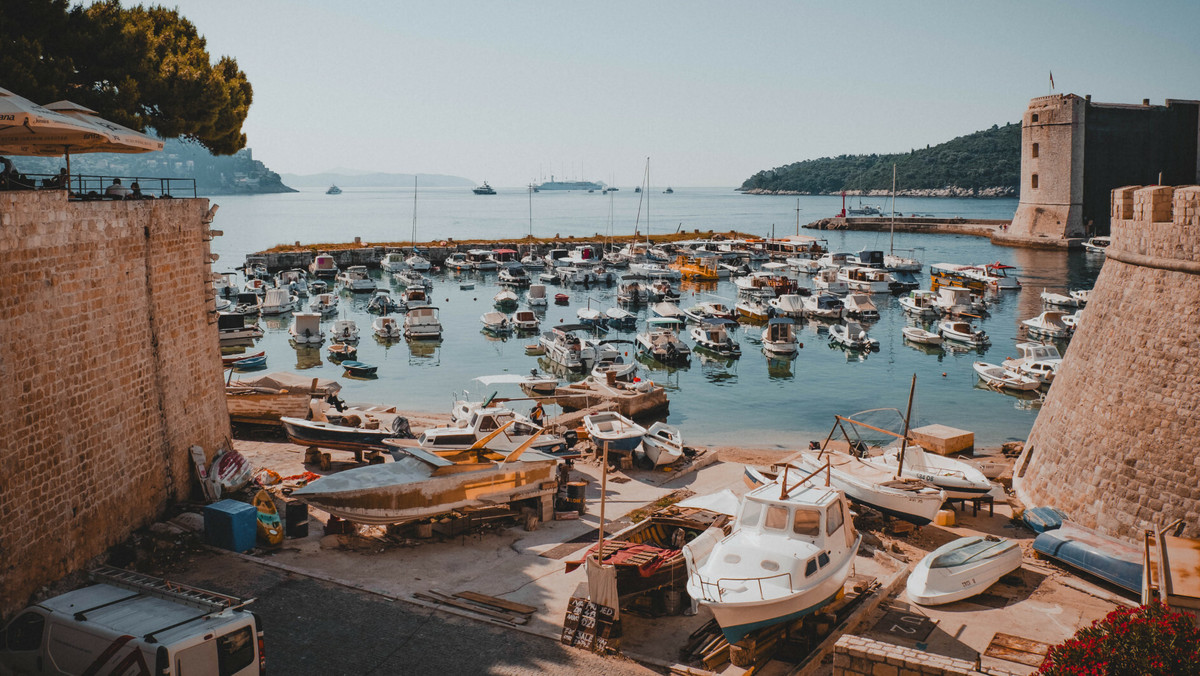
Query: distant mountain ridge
{"points": [[348, 178], [983, 164]]}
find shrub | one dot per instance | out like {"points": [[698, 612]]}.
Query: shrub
{"points": [[1148, 640]]}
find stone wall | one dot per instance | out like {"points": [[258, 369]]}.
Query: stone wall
{"points": [[1055, 125], [859, 656], [110, 371], [1115, 443]]}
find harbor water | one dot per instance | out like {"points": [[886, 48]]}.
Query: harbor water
{"points": [[753, 401]]}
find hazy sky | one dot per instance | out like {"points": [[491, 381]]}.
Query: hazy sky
{"points": [[712, 92]]}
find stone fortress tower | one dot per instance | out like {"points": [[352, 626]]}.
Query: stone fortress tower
{"points": [[1115, 445], [1074, 152]]}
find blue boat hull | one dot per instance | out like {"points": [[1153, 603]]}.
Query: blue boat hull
{"points": [[1107, 559]]}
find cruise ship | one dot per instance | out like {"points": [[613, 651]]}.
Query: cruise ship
{"points": [[569, 185]]}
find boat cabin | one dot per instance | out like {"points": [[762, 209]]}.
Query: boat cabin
{"points": [[505, 255], [953, 275], [870, 259]]}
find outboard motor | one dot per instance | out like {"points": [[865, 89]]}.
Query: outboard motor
{"points": [[571, 437]]}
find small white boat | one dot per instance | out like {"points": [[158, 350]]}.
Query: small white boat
{"points": [[961, 569], [668, 311], [702, 311], [414, 296], [620, 318], [382, 303], [1081, 296], [458, 261], [661, 343], [387, 328], [1072, 320], [826, 281], [232, 326], [496, 323], [323, 267], [344, 331], [513, 274], [1049, 324], [866, 280], [713, 335], [611, 362], [294, 280], [895, 263], [537, 295], [505, 300], [324, 304], [589, 316], [957, 478], [1058, 299], [422, 323], [1037, 360], [906, 498], [417, 262], [663, 444], [277, 302], [993, 275], [1097, 245], [788, 305], [1006, 379], [859, 305], [533, 262], [255, 286], [525, 320], [356, 279], [466, 286], [482, 259], [823, 306], [392, 262], [805, 266], [852, 335], [958, 301], [963, 332], [920, 304], [614, 431], [306, 329], [919, 335], [779, 337], [790, 553]]}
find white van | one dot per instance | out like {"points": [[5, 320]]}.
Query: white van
{"points": [[133, 624]]}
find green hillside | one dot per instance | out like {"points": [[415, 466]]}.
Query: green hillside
{"points": [[986, 162]]}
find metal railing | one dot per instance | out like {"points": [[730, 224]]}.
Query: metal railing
{"points": [[96, 187], [720, 589]]}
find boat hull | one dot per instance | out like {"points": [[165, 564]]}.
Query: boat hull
{"points": [[336, 437], [931, 586]]}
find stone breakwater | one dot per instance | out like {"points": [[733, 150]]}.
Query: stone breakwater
{"points": [[944, 226], [948, 191], [1115, 443]]}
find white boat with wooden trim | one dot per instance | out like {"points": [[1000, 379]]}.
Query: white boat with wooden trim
{"points": [[526, 321], [1081, 296], [963, 332], [613, 431], [663, 444], [1049, 324], [920, 336], [779, 337], [920, 304], [961, 569], [1005, 379], [789, 555]]}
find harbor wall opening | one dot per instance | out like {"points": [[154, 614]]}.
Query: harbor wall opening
{"points": [[1114, 445], [110, 371]]}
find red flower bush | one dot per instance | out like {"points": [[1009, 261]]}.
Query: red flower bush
{"points": [[1148, 640]]}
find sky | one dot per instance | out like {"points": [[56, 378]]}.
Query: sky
{"points": [[712, 92]]}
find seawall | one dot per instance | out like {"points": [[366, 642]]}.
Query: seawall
{"points": [[110, 373], [943, 226]]}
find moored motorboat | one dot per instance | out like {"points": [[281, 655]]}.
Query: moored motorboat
{"points": [[1049, 324], [1081, 296], [496, 323], [344, 331], [779, 337], [525, 321], [356, 279], [1058, 299], [382, 303], [1037, 360], [824, 306], [342, 351], [788, 305], [232, 326], [917, 334], [920, 304], [1005, 379], [790, 553], [961, 569], [324, 304], [619, 318], [963, 332], [505, 300], [387, 328], [613, 431], [852, 335], [422, 323], [1097, 245], [713, 335], [306, 328], [860, 306], [660, 341], [536, 296]]}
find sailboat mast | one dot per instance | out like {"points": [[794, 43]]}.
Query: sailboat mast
{"points": [[647, 191], [414, 223], [797, 216], [892, 241], [907, 416], [531, 217]]}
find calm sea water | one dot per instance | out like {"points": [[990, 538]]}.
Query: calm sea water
{"points": [[752, 401]]}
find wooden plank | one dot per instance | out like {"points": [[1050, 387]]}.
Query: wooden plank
{"points": [[470, 607], [493, 601], [1017, 649]]}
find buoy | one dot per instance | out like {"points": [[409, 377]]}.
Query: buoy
{"points": [[943, 374]]}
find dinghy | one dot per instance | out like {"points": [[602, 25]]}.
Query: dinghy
{"points": [[250, 363], [663, 444], [358, 369], [789, 555], [614, 431], [232, 360], [341, 351], [620, 318], [961, 569], [1005, 379], [919, 335]]}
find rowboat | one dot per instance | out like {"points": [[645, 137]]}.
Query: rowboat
{"points": [[341, 351], [613, 431], [663, 444], [957, 478], [249, 363], [359, 369], [917, 334], [1006, 379], [961, 569], [234, 359], [348, 434], [1107, 558]]}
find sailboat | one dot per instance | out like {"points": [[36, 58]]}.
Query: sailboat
{"points": [[891, 261], [416, 261]]}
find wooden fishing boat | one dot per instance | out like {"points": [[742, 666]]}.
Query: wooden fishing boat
{"points": [[906, 498], [1005, 379], [342, 351], [663, 444], [270, 528], [961, 569], [614, 431], [422, 484], [351, 432], [359, 369], [235, 358]]}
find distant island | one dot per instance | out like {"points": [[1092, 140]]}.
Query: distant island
{"points": [[984, 164], [348, 178], [237, 174]]}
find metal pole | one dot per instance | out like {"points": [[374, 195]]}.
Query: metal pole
{"points": [[907, 414], [603, 494]]}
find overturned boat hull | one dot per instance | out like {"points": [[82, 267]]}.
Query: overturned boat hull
{"points": [[961, 569]]}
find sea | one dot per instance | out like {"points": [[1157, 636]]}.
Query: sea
{"points": [[753, 401]]}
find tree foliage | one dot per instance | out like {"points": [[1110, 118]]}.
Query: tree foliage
{"points": [[985, 159], [143, 67]]}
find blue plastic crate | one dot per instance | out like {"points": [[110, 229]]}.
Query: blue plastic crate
{"points": [[230, 524]]}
